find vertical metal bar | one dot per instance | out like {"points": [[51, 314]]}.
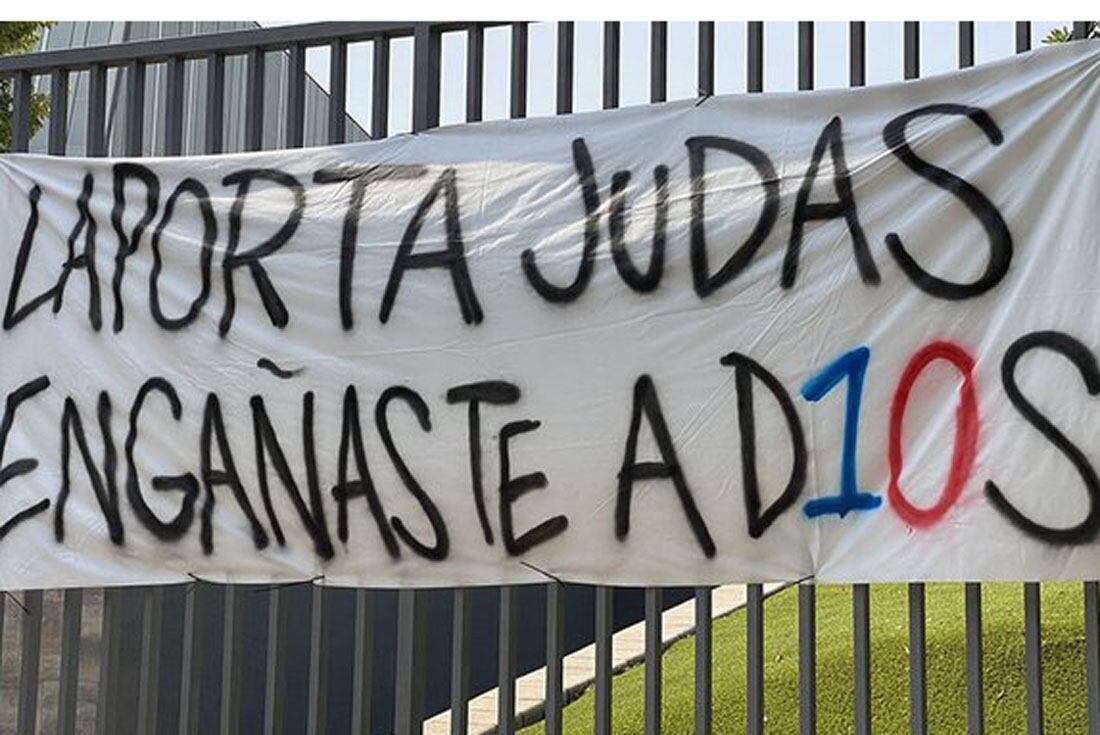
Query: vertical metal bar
{"points": [[918, 693], [475, 72], [975, 696], [380, 89], [805, 54], [29, 663], [1092, 654], [506, 661], [59, 112], [254, 101], [604, 630], [1081, 29], [966, 43], [555, 653], [109, 665], [97, 111], [149, 679], [911, 48], [658, 62], [338, 89], [215, 102], [1033, 658], [21, 113], [460, 661], [706, 57], [362, 673], [191, 660], [1023, 36], [857, 53], [296, 96], [703, 646], [426, 50], [69, 672], [807, 659], [518, 93], [230, 712], [173, 107], [135, 108], [611, 56], [565, 68], [317, 721], [861, 640], [653, 648], [409, 679], [754, 659], [275, 683], [755, 53]]}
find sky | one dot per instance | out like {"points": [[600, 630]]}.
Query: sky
{"points": [[993, 40]]}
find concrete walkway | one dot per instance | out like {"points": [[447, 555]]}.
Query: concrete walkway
{"points": [[627, 649]]}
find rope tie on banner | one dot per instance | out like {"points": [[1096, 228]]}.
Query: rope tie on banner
{"points": [[15, 599], [703, 97], [543, 572]]}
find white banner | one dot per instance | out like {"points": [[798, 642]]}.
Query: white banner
{"points": [[845, 334]]}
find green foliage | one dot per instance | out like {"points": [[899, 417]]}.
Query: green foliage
{"points": [[1065, 34], [1063, 656], [19, 38]]}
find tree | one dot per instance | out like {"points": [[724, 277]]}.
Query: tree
{"points": [[1064, 34], [19, 38]]}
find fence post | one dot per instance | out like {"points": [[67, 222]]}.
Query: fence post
{"points": [[29, 663], [653, 650], [807, 658], [409, 678], [604, 612], [426, 51]]}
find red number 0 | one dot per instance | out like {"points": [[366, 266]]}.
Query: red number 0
{"points": [[966, 434]]}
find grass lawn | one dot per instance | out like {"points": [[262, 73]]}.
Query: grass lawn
{"points": [[1003, 628]]}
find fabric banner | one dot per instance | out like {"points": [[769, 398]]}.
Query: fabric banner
{"points": [[849, 335]]}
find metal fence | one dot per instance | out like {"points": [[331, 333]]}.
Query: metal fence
{"points": [[129, 658]]}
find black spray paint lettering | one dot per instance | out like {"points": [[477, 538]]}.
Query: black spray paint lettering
{"points": [[646, 403], [1085, 362], [185, 483], [452, 257], [128, 243], [590, 195], [360, 177], [86, 224], [25, 465], [642, 282], [351, 443], [493, 392], [745, 371], [512, 488], [251, 259], [844, 206], [105, 485], [438, 550], [1000, 240], [13, 313], [705, 282], [267, 444], [213, 430], [206, 254]]}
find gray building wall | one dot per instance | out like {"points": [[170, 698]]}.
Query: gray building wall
{"points": [[75, 34]]}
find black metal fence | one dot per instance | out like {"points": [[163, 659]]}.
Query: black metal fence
{"points": [[134, 621]]}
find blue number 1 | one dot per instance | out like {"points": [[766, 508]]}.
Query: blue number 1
{"points": [[853, 366]]}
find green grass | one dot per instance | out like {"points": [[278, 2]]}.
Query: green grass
{"points": [[1003, 634]]}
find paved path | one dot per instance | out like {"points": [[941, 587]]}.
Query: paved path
{"points": [[627, 648]]}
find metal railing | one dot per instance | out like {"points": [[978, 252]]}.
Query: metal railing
{"points": [[122, 642]]}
